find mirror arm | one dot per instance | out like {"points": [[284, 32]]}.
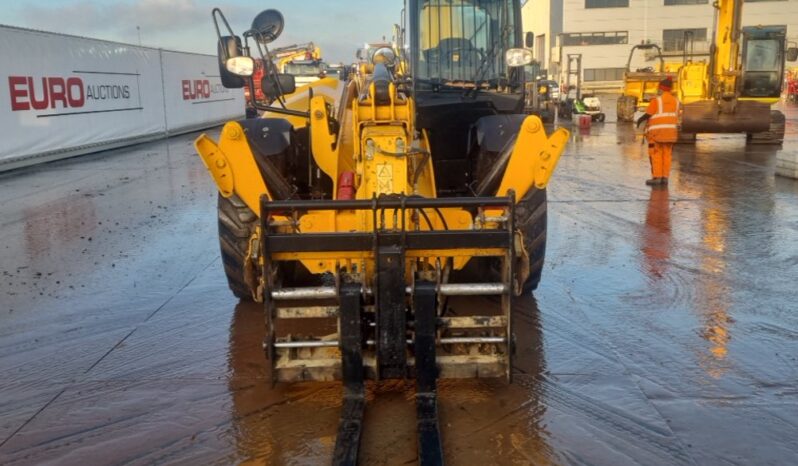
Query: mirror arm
{"points": [[273, 71], [216, 14], [266, 58], [245, 47]]}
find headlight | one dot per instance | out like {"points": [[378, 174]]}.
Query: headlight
{"points": [[240, 66], [518, 57]]}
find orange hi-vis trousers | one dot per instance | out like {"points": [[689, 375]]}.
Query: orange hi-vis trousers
{"points": [[659, 153]]}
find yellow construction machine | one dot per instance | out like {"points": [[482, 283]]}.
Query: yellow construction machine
{"points": [[387, 238], [640, 85], [303, 61], [734, 92]]}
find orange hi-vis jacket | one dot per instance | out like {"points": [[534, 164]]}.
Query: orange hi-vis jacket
{"points": [[664, 121]]}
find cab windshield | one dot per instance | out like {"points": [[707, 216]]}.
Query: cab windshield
{"points": [[464, 40], [762, 68]]}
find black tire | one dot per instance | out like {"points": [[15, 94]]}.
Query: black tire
{"points": [[626, 107], [237, 222], [531, 218]]}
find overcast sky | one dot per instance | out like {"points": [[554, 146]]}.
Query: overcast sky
{"points": [[339, 27]]}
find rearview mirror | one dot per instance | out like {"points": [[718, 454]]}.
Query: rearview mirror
{"points": [[229, 47], [792, 54], [529, 40], [267, 26], [359, 54], [284, 82], [240, 66]]}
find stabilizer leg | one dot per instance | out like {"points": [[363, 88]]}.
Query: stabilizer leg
{"points": [[350, 427], [430, 452]]}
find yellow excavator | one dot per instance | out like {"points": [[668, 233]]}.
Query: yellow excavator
{"points": [[303, 61], [286, 54], [734, 92], [387, 237]]}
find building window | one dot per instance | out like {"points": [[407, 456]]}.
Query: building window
{"points": [[606, 3], [604, 74], [687, 2], [595, 38], [673, 40]]}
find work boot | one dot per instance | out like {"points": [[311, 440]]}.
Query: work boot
{"points": [[653, 182], [663, 181]]}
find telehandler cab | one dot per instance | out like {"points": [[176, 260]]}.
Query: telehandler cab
{"points": [[359, 227]]}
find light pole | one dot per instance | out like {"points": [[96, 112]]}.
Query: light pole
{"points": [[138, 31]]}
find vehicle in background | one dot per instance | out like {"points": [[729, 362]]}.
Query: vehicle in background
{"points": [[587, 104], [306, 71], [574, 102], [542, 97], [364, 66], [550, 88], [365, 54], [302, 60], [339, 71], [640, 85], [792, 85], [735, 91]]}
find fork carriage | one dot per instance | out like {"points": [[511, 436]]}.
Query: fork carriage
{"points": [[403, 248]]}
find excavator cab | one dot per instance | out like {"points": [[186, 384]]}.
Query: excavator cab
{"points": [[763, 61]]}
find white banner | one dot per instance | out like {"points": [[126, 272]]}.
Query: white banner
{"points": [[64, 95], [194, 94]]}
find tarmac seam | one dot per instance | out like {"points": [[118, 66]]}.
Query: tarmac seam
{"points": [[110, 350], [46, 405], [215, 258], [203, 269], [34, 416]]}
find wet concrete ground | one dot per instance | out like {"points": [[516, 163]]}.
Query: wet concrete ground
{"points": [[665, 330]]}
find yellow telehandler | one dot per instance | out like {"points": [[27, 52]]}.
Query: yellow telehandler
{"points": [[361, 227]]}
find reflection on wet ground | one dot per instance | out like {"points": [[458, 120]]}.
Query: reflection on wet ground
{"points": [[664, 331]]}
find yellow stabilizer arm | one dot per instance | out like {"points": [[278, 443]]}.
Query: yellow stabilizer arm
{"points": [[534, 158], [232, 165]]}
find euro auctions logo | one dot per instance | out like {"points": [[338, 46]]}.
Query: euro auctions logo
{"points": [[91, 91], [27, 93], [202, 90], [196, 89]]}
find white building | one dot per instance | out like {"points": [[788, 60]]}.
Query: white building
{"points": [[603, 31]]}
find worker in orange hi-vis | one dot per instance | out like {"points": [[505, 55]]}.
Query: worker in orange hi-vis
{"points": [[662, 119]]}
